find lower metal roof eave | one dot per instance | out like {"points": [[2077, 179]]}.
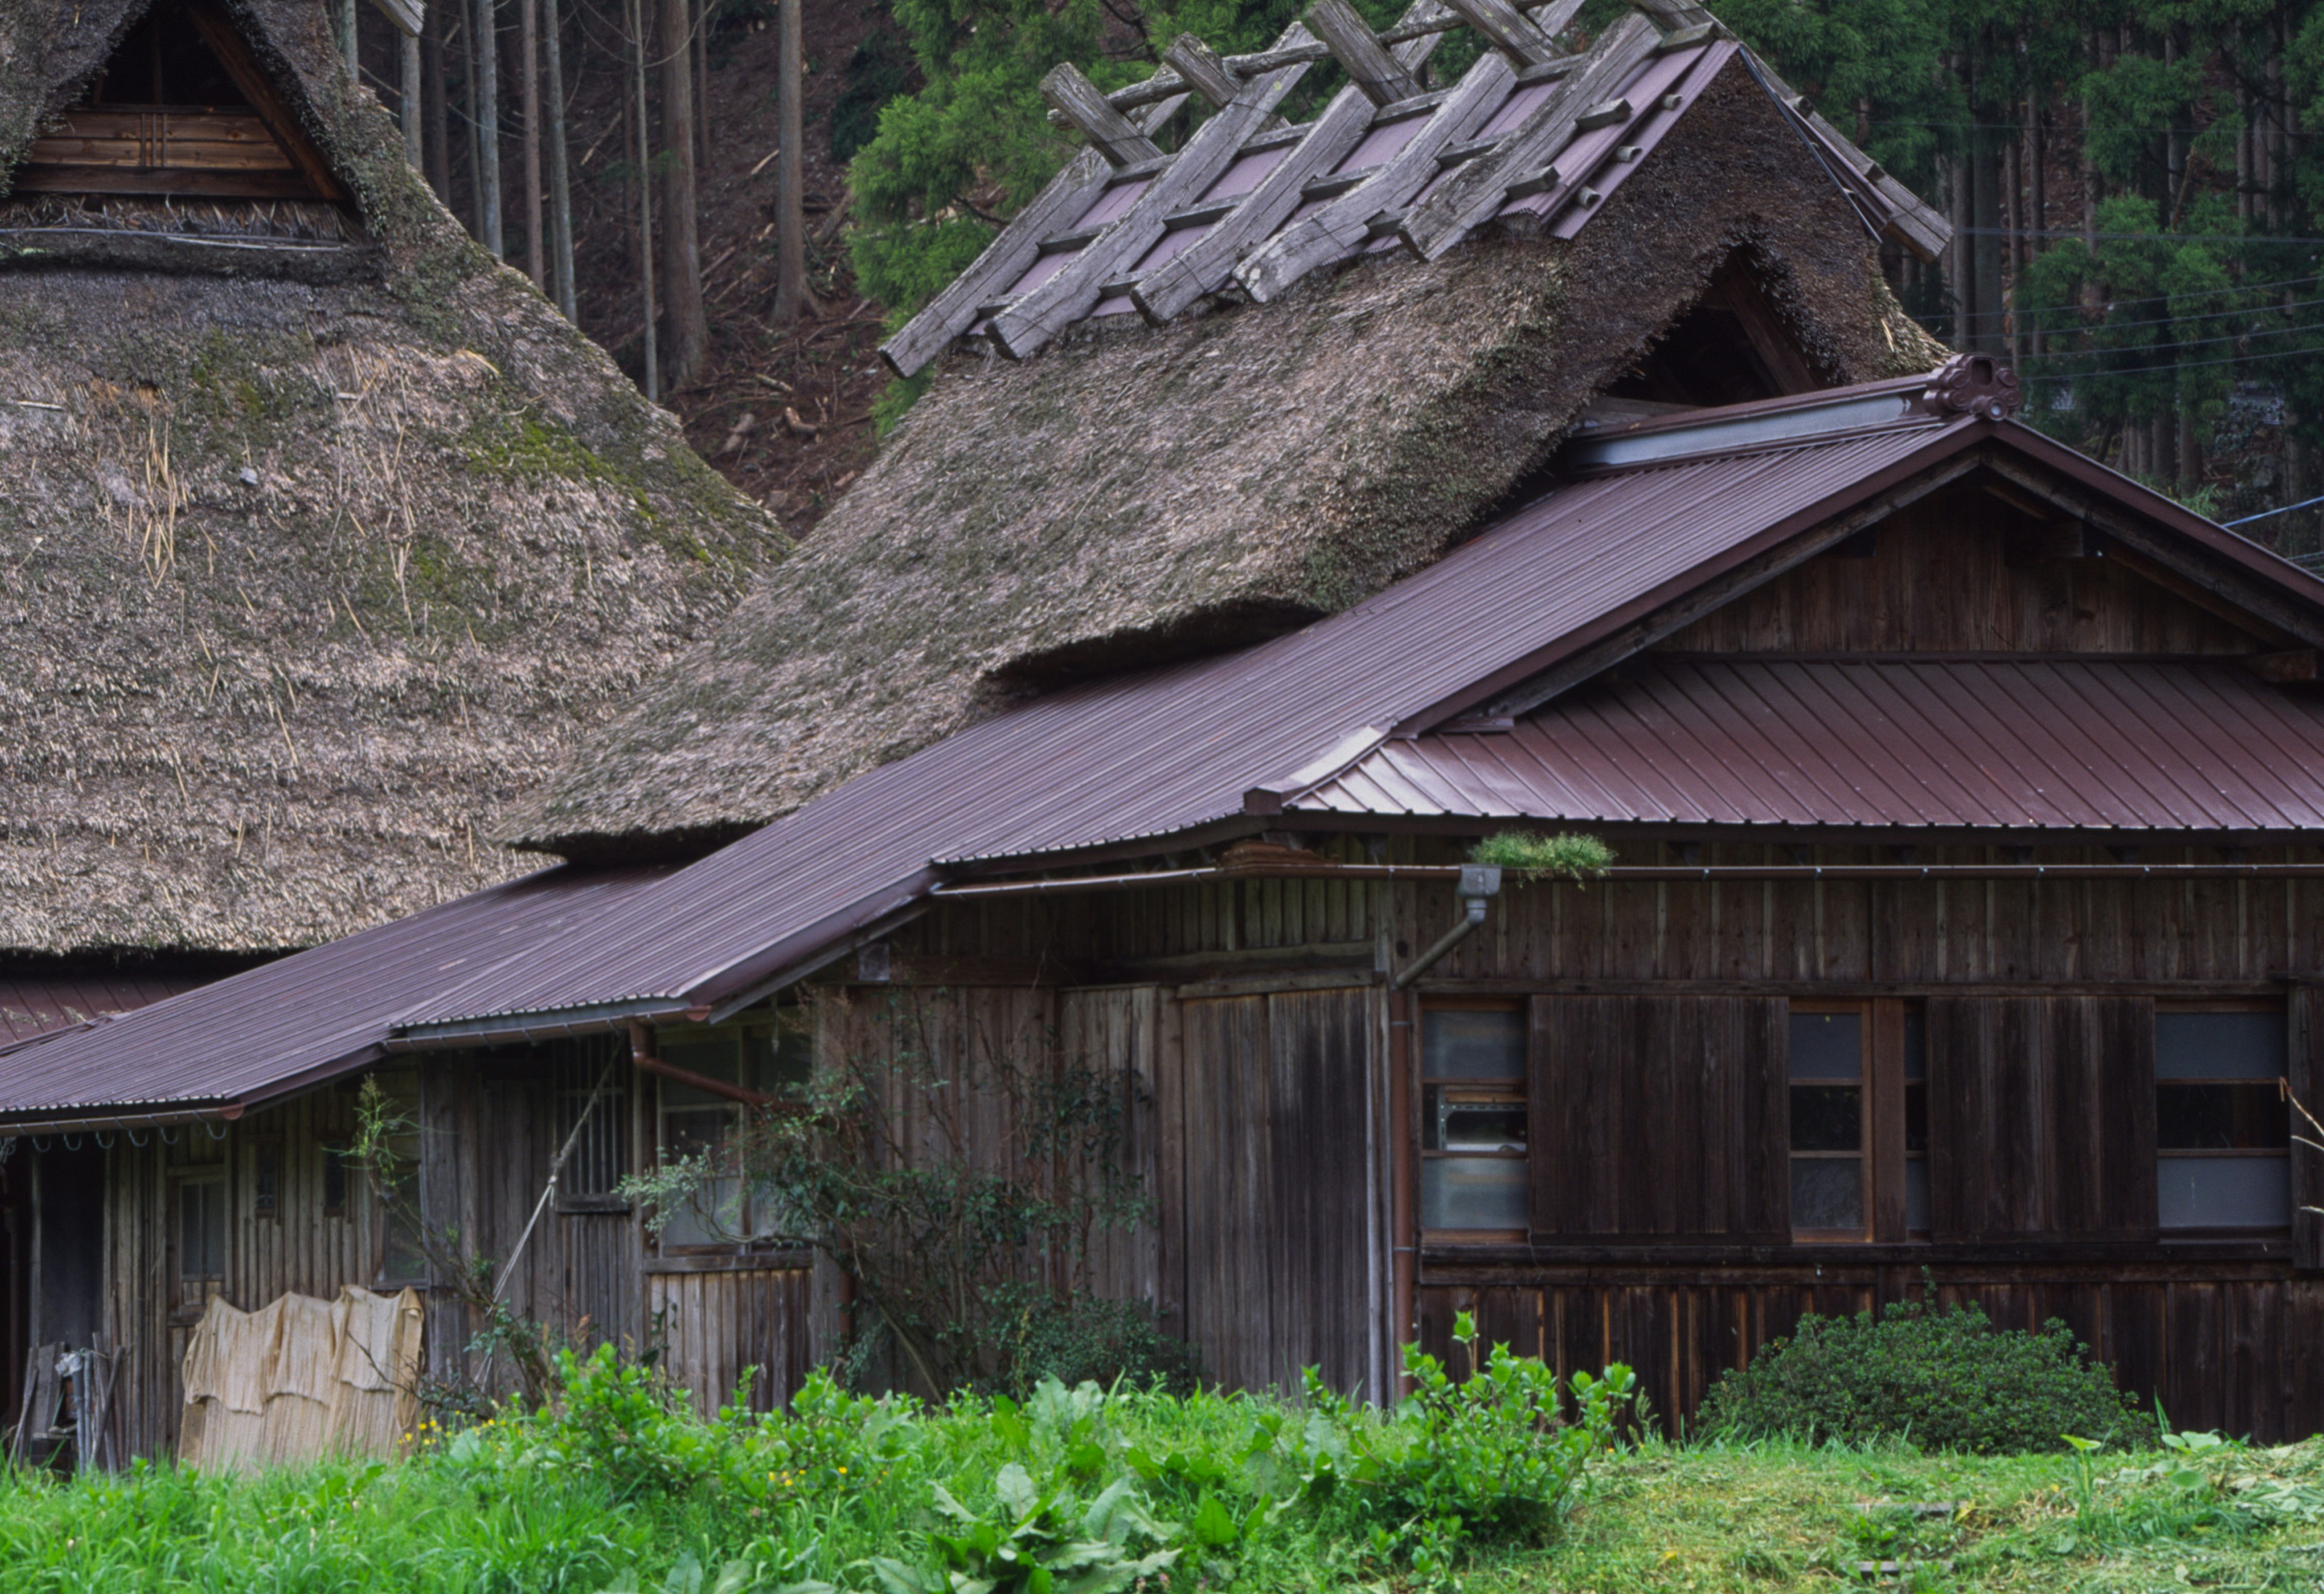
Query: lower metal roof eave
{"points": [[506, 1028], [122, 1122]]}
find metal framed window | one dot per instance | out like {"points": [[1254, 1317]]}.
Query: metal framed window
{"points": [[1830, 1113], [768, 1056], [1474, 1160], [2223, 1128]]}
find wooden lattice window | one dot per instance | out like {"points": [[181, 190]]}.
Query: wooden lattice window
{"points": [[181, 106]]}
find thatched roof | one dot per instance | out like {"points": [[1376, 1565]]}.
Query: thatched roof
{"points": [[1133, 492], [323, 533]]}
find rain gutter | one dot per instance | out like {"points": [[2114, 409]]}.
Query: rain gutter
{"points": [[1627, 874]]}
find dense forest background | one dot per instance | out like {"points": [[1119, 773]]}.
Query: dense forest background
{"points": [[2133, 188]]}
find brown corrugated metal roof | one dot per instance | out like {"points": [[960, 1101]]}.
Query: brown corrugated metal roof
{"points": [[33, 1002], [1987, 743], [1164, 753], [1171, 750], [259, 1033]]}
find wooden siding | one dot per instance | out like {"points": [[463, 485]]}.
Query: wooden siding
{"points": [[150, 1310], [1253, 1124], [716, 1327], [1657, 1117], [489, 1128], [1965, 572], [2042, 1117], [2223, 1348]]}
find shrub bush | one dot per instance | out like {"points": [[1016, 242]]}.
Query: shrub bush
{"points": [[1081, 1339], [1942, 1380]]}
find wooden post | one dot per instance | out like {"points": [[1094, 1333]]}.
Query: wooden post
{"points": [[1201, 67], [560, 175], [351, 38], [1509, 30], [790, 169], [1110, 132], [536, 263], [434, 102], [1404, 1217], [1379, 75]]}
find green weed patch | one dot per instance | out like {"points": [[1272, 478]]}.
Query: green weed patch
{"points": [[620, 1489]]}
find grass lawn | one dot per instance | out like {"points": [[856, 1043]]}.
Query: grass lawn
{"points": [[1792, 1517]]}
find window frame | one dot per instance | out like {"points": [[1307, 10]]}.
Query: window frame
{"points": [[183, 1182], [757, 1233], [601, 1157], [1863, 1156], [1516, 1092], [2172, 1233], [1885, 1151]]}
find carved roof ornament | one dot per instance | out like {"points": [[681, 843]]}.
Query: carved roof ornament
{"points": [[1972, 384]]}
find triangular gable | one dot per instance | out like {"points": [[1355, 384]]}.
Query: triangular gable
{"points": [[179, 106], [2200, 563]]}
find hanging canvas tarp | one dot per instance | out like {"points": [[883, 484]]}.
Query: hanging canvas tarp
{"points": [[301, 1379]]}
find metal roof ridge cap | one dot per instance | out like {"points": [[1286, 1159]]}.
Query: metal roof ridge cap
{"points": [[1587, 455], [1683, 419]]}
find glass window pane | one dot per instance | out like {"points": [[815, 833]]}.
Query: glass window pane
{"points": [[1479, 1126], [1916, 1196], [2225, 1191], [792, 1054], [1457, 1044], [2219, 1045], [1916, 1045], [695, 1130], [2241, 1117], [1828, 1193], [1916, 1117], [713, 1217], [1827, 1045], [1472, 1193], [1827, 1118], [713, 1059]]}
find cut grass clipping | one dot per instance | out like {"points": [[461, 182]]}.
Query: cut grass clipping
{"points": [[1529, 857]]}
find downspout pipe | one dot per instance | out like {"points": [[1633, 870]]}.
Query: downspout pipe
{"points": [[1480, 883]]}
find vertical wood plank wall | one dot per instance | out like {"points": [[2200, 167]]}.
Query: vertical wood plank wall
{"points": [[1246, 1022], [2236, 1344]]}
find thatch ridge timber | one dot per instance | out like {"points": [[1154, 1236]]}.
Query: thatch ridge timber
{"points": [[1133, 492], [300, 581]]}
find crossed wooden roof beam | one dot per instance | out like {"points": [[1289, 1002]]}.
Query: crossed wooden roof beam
{"points": [[1090, 238]]}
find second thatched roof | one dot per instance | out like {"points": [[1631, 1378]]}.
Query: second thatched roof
{"points": [[1135, 492]]}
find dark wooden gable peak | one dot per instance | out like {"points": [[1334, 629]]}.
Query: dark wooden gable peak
{"points": [[181, 106]]}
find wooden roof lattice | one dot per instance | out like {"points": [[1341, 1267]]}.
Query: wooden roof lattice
{"points": [[1532, 138]]}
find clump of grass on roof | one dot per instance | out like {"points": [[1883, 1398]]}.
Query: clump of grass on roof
{"points": [[1568, 856]]}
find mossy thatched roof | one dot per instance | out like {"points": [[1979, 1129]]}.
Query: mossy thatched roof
{"points": [[1134, 492], [303, 573]]}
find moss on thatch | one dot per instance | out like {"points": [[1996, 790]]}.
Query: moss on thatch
{"points": [[1134, 493], [301, 580]]}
